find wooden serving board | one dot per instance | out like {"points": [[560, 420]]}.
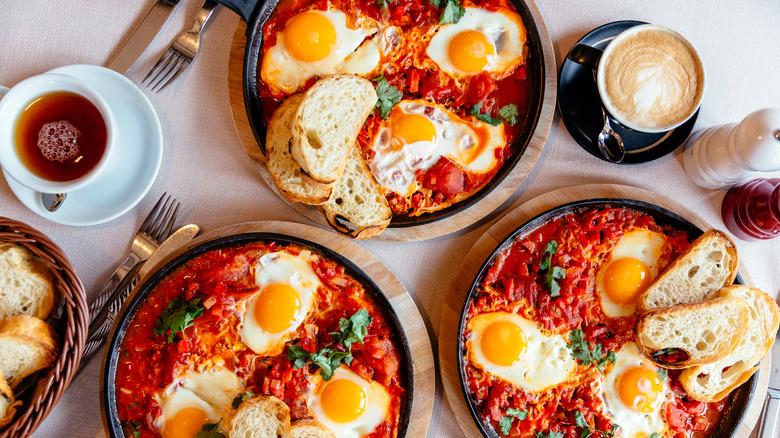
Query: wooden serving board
{"points": [[457, 221], [397, 295], [465, 274]]}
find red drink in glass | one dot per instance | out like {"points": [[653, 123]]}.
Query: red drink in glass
{"points": [[751, 210]]}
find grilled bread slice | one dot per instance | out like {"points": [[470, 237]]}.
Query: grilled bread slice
{"points": [[708, 265], [706, 332], [327, 124], [710, 383], [358, 207], [262, 416], [285, 172], [26, 345], [7, 403], [25, 284], [310, 429]]}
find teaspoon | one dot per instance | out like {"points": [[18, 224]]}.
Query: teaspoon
{"points": [[53, 201], [610, 143]]}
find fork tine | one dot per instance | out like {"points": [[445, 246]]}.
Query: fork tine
{"points": [[158, 217], [166, 222], [181, 69], [150, 216], [168, 226], [160, 63], [164, 71], [173, 68]]}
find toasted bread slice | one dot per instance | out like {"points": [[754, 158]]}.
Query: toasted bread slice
{"points": [[358, 207], [285, 172], [708, 265], [327, 124], [310, 429], [706, 332], [27, 345], [710, 383], [7, 403], [262, 416], [25, 284]]}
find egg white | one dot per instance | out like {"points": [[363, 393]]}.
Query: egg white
{"points": [[283, 72], [456, 138], [377, 405], [546, 362], [641, 244], [277, 267], [633, 424], [503, 29]]}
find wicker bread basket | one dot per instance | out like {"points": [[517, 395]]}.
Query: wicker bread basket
{"points": [[71, 321]]}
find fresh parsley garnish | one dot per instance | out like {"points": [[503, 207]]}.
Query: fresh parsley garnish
{"points": [[580, 350], [552, 273], [587, 430], [209, 430], [509, 418], [177, 317], [476, 111], [655, 435], [662, 373], [384, 3], [452, 12], [136, 426], [388, 95], [549, 434], [509, 113], [242, 398], [351, 330]]}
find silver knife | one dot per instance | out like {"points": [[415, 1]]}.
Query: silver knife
{"points": [[142, 36], [770, 426], [101, 325]]}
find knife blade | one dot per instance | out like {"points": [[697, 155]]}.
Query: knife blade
{"points": [[142, 36], [770, 424], [104, 320]]}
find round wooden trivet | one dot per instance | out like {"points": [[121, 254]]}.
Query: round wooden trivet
{"points": [[464, 275], [399, 298], [451, 224]]}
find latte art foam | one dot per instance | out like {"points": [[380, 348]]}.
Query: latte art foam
{"points": [[652, 79]]}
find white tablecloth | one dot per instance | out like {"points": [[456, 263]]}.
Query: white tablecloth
{"points": [[204, 164]]}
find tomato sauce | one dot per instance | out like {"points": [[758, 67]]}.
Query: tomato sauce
{"points": [[148, 362], [513, 283]]}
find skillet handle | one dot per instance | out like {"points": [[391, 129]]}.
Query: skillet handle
{"points": [[244, 8]]}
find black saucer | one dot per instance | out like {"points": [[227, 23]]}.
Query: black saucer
{"points": [[580, 107]]}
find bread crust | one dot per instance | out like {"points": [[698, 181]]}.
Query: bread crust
{"points": [[7, 403], [26, 285], [272, 412], [725, 345], [33, 333], [310, 429]]}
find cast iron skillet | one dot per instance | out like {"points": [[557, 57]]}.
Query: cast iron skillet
{"points": [[257, 12], [138, 297], [740, 398]]}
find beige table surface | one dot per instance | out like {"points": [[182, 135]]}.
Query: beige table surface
{"points": [[205, 166]]}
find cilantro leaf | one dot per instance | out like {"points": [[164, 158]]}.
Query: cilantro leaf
{"points": [[178, 317], [655, 435], [580, 350], [549, 434], [355, 328], [384, 3], [136, 426], [662, 373], [297, 355], [388, 95], [579, 419], [209, 430], [509, 113], [438, 3], [242, 398], [476, 111], [452, 12], [509, 418], [554, 274], [505, 424], [587, 429], [517, 413]]}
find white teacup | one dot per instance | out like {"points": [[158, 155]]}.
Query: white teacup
{"points": [[17, 100]]}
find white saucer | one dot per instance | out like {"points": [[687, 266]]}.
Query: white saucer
{"points": [[132, 169]]}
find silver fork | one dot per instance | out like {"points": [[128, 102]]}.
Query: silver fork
{"points": [[181, 53], [153, 231]]}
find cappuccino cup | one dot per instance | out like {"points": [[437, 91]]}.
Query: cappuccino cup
{"points": [[57, 133], [649, 78]]}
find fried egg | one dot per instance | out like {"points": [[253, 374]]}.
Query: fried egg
{"points": [[481, 41], [195, 398], [513, 348], [287, 284], [315, 43], [417, 133], [347, 404], [634, 395], [630, 268]]}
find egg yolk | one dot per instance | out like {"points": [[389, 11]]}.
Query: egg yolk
{"points": [[639, 388], [411, 128], [309, 36], [185, 424], [343, 400], [503, 343], [469, 50], [276, 307], [624, 279]]}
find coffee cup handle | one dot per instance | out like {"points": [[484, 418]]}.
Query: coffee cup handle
{"points": [[3, 90], [585, 55]]}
